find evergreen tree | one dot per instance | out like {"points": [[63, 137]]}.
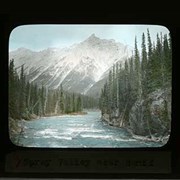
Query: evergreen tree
{"points": [[13, 91], [167, 59], [62, 105], [43, 99], [27, 96], [35, 100], [117, 86], [149, 45], [73, 103], [114, 88], [22, 100], [149, 70], [159, 68], [137, 70], [144, 66], [110, 92], [79, 104], [67, 104], [120, 88], [104, 99]]}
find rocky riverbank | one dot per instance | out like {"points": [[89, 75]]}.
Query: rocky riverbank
{"points": [[152, 123], [16, 126]]}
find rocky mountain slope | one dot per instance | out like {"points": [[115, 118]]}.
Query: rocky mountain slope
{"points": [[80, 68]]}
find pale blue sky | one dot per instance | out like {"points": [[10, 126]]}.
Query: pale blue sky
{"points": [[39, 37]]}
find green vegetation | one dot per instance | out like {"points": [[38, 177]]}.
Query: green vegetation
{"points": [[27, 100], [136, 79]]}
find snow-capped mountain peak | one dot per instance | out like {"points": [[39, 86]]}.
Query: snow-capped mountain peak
{"points": [[92, 38], [78, 67]]}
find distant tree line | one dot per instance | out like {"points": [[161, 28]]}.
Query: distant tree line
{"points": [[138, 77], [27, 100]]}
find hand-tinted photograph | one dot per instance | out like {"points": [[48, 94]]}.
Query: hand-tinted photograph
{"points": [[90, 86]]}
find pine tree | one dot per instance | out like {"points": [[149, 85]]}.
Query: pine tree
{"points": [[73, 103], [149, 45], [22, 100], [45, 100], [42, 100], [62, 105], [40, 103], [114, 88], [149, 70], [67, 106], [13, 91], [167, 60], [110, 91], [35, 100], [159, 68], [104, 100], [144, 67], [125, 113], [120, 88], [131, 79], [117, 86], [170, 59], [28, 95], [79, 104], [137, 70]]}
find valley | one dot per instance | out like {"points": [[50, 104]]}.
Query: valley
{"points": [[97, 83]]}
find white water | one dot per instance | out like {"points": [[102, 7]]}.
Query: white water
{"points": [[76, 131]]}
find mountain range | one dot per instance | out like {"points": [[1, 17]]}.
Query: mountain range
{"points": [[80, 68]]}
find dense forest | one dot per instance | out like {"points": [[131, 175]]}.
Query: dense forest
{"points": [[28, 100], [137, 92]]}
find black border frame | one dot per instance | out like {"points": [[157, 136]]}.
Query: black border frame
{"points": [[10, 21]]}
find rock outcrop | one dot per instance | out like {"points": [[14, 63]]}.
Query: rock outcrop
{"points": [[149, 118], [152, 116]]}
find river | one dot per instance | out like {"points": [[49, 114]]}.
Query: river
{"points": [[77, 131]]}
